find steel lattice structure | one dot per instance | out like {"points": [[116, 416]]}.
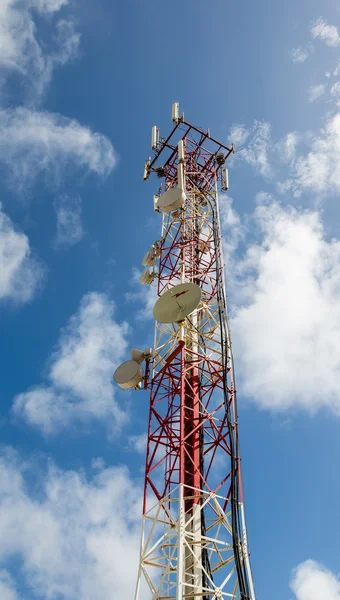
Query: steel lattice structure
{"points": [[194, 542]]}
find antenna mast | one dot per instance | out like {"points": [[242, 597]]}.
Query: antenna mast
{"points": [[194, 541]]}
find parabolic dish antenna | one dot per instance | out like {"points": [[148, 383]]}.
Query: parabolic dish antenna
{"points": [[176, 304], [128, 375], [171, 199]]}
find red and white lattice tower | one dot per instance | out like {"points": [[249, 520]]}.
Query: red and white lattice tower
{"points": [[194, 541]]}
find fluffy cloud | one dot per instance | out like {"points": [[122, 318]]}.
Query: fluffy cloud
{"points": [[20, 49], [299, 55], [287, 146], [7, 586], [145, 295], [138, 443], [314, 171], [316, 91], [238, 135], [74, 536], [232, 229], [47, 6], [257, 151], [336, 71], [40, 143], [318, 171], [311, 581], [335, 89], [69, 224], [79, 387], [286, 325], [327, 33], [262, 153], [20, 272]]}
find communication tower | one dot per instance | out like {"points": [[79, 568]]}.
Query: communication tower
{"points": [[194, 540]]}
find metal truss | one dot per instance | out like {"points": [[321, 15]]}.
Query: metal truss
{"points": [[162, 535], [194, 542]]}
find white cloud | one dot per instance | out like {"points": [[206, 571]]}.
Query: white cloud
{"points": [[261, 152], [73, 536], [335, 89], [20, 48], [312, 581], [79, 388], [68, 43], [316, 91], [286, 147], [69, 223], [145, 295], [318, 171], [228, 216], [231, 229], [265, 156], [299, 55], [47, 6], [287, 325], [264, 198], [36, 144], [7, 586], [138, 443], [257, 151], [336, 71], [327, 33], [238, 135], [20, 272]]}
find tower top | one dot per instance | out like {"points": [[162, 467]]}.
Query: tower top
{"points": [[182, 129]]}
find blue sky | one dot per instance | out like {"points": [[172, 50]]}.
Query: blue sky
{"points": [[81, 85]]}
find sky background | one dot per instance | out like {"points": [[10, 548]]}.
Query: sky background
{"points": [[81, 85]]}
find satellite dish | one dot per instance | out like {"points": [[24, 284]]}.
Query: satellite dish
{"points": [[137, 355], [128, 375], [171, 199], [149, 259], [146, 277], [176, 304]]}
